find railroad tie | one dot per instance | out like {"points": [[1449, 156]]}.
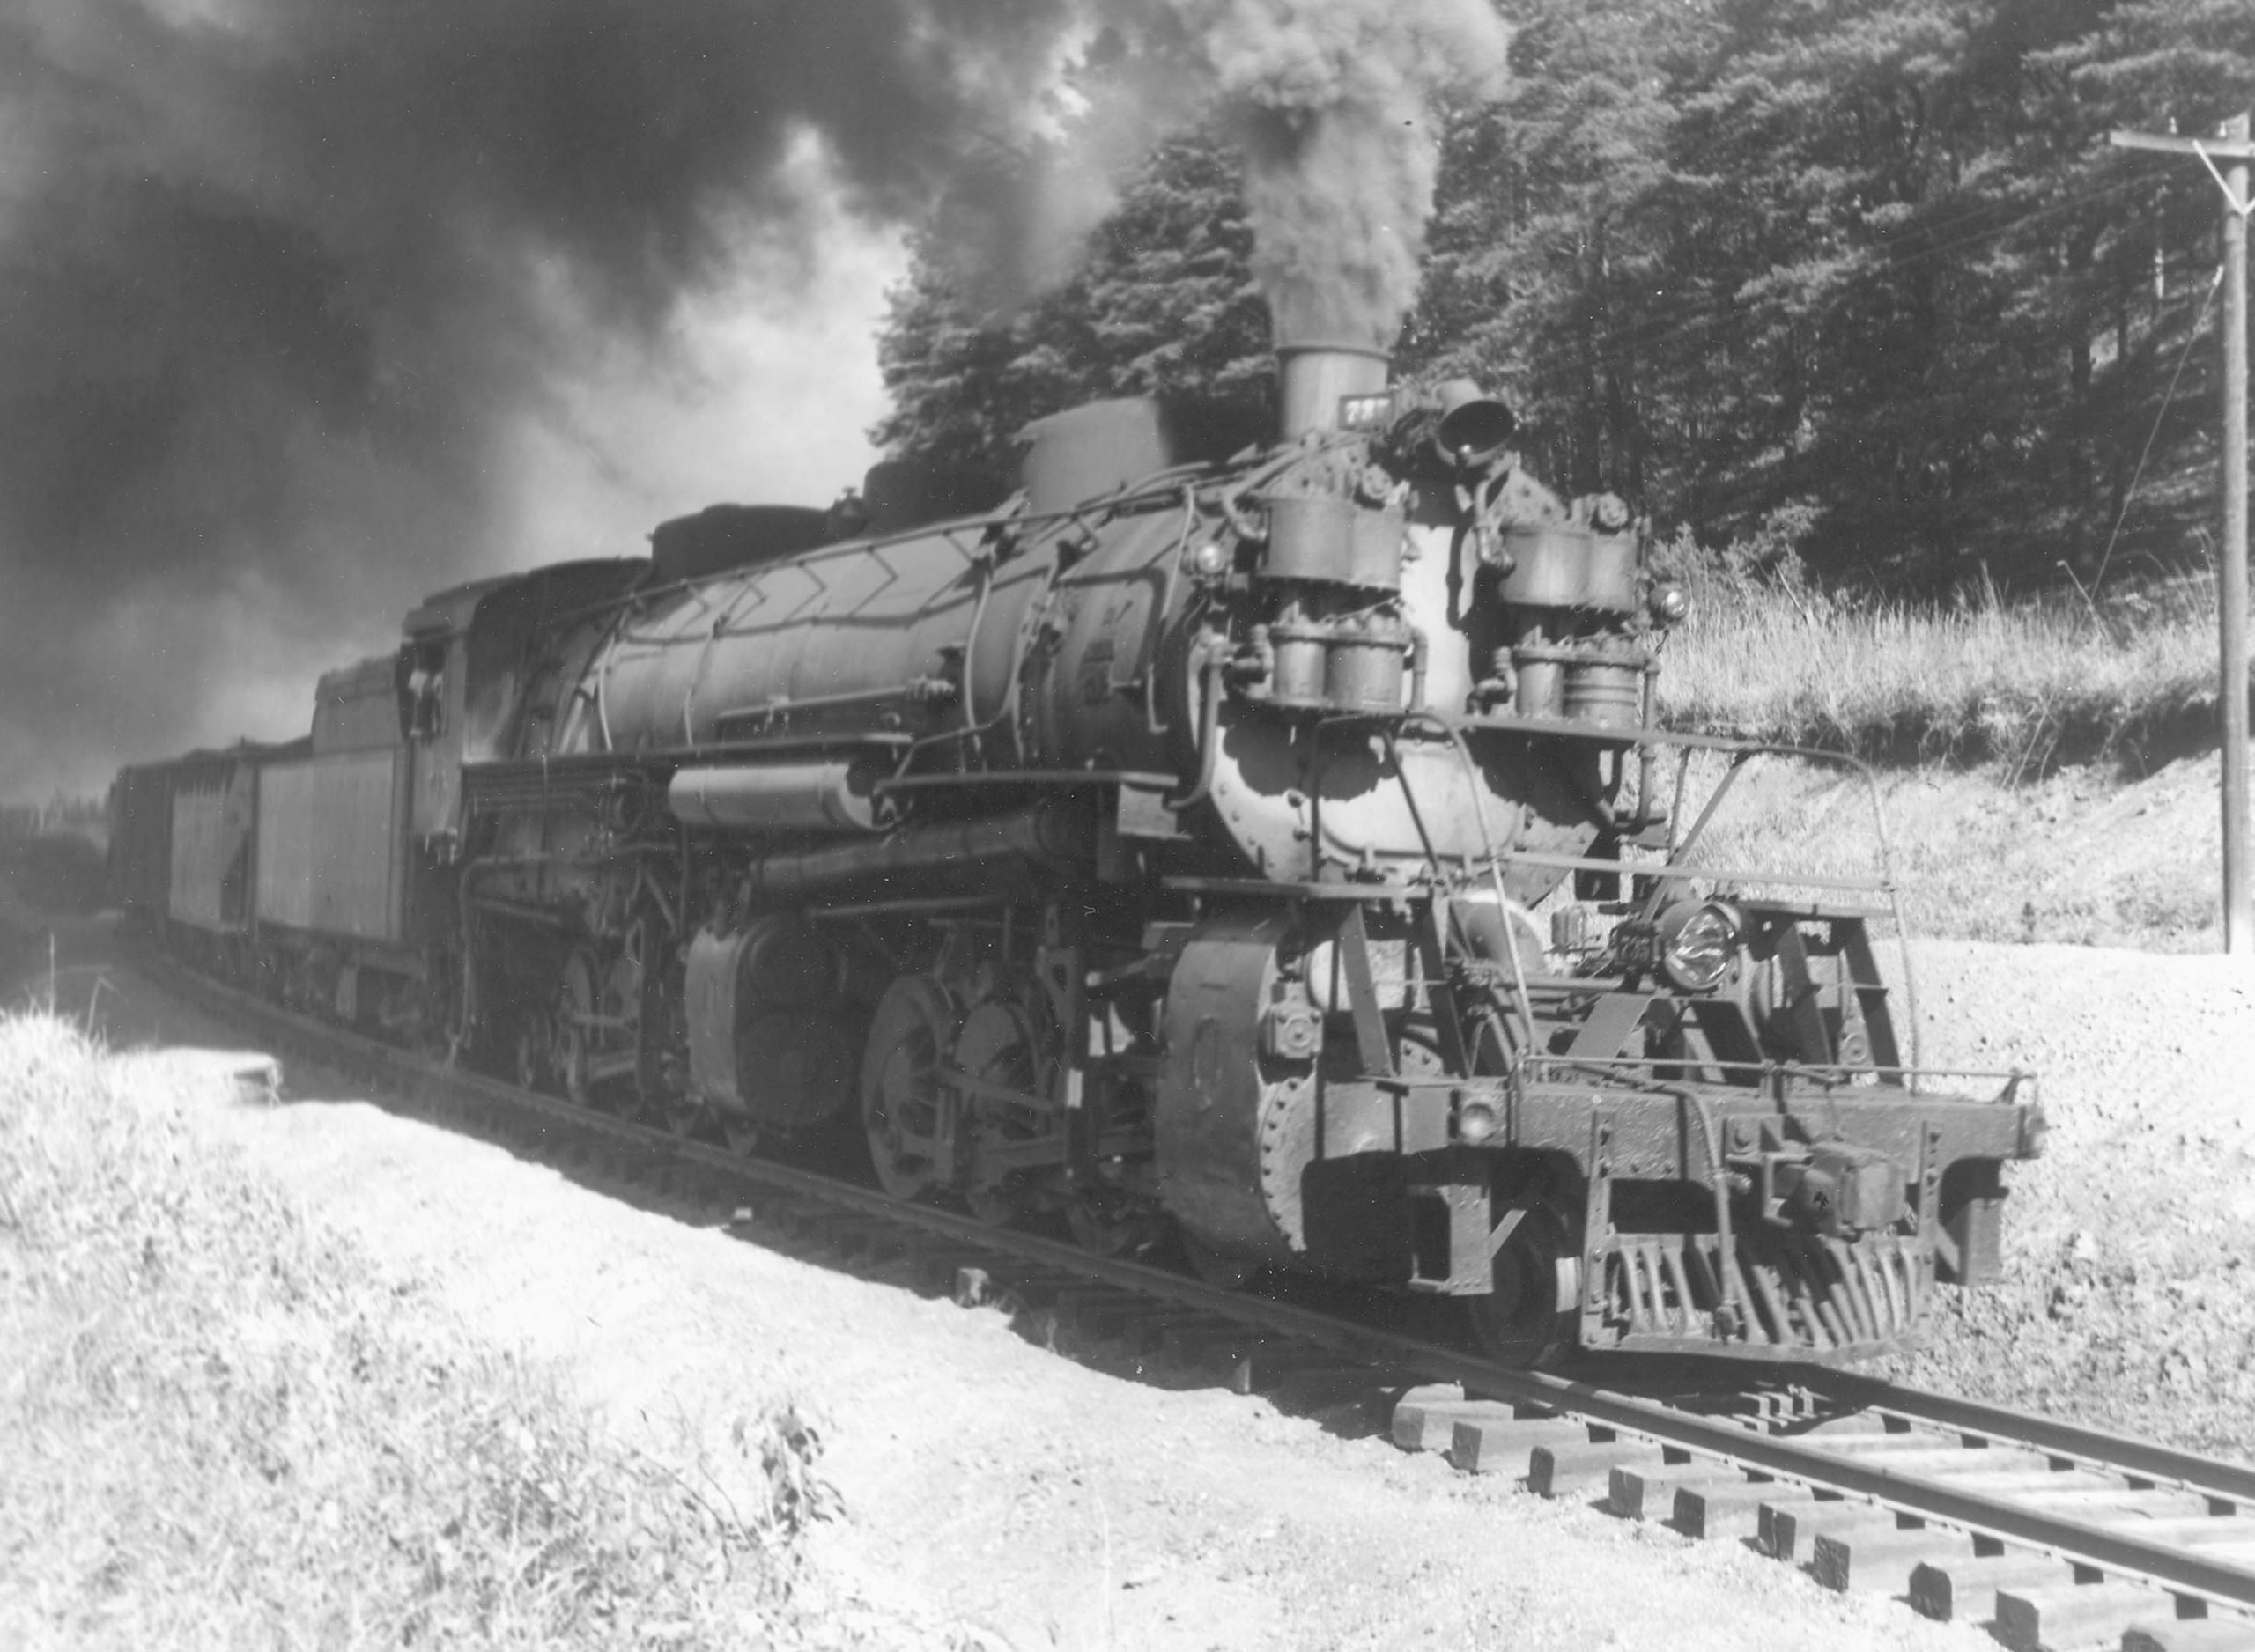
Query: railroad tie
{"points": [[1731, 1508], [1290, 1362], [1882, 1445], [1963, 1588], [1642, 1491], [2040, 1619], [852, 1240], [1099, 1313], [1425, 1418], [1507, 1445], [1870, 1559], [1853, 1425], [1956, 1462], [2099, 1502], [1568, 1468], [1231, 1359], [810, 1225], [1788, 1527], [1040, 1289], [2191, 1634], [1199, 1341], [1137, 1332], [934, 1273], [257, 1080]]}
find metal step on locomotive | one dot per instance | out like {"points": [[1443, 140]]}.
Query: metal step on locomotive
{"points": [[1262, 851]]}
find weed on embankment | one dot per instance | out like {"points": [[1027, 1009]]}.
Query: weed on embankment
{"points": [[220, 1427]]}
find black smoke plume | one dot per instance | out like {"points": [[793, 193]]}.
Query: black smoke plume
{"points": [[277, 276]]}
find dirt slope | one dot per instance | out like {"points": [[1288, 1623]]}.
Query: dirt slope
{"points": [[2086, 856]]}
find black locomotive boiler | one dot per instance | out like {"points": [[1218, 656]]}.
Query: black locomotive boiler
{"points": [[1260, 850]]}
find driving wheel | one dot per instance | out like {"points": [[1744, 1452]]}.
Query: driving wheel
{"points": [[903, 1109]]}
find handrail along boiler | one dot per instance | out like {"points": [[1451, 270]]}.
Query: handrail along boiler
{"points": [[1264, 849]]}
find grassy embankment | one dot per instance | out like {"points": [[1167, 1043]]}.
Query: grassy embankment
{"points": [[221, 1426], [2029, 685]]}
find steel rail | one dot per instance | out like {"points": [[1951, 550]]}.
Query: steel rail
{"points": [[2112, 1550]]}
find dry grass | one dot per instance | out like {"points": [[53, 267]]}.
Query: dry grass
{"points": [[221, 1427], [2029, 684]]}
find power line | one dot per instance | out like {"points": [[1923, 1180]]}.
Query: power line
{"points": [[2159, 414]]}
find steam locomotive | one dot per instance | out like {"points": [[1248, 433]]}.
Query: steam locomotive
{"points": [[1255, 851]]}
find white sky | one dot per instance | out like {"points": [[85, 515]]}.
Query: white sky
{"points": [[768, 405]]}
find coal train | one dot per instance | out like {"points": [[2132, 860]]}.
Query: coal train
{"points": [[1252, 852]]}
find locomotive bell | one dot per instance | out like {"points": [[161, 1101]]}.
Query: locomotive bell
{"points": [[1473, 426]]}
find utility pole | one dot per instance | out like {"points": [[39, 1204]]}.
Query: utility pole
{"points": [[2231, 148]]}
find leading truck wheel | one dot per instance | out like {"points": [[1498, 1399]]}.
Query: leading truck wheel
{"points": [[1530, 1318], [910, 1038]]}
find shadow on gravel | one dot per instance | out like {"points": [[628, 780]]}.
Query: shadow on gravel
{"points": [[1345, 1401]]}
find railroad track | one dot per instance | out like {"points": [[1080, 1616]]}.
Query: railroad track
{"points": [[2054, 1537]]}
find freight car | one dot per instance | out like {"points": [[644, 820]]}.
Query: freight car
{"points": [[180, 851], [1257, 851]]}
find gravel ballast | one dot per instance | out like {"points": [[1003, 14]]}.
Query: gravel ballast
{"points": [[2129, 1298]]}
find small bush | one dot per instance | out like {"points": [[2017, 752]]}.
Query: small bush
{"points": [[222, 1427]]}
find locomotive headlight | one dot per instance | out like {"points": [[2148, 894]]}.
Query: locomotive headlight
{"points": [[1698, 942], [1476, 1121], [1670, 605], [1210, 559]]}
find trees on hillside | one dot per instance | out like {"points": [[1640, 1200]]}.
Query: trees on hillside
{"points": [[1866, 262]]}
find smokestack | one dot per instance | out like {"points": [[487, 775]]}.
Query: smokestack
{"points": [[1317, 376]]}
